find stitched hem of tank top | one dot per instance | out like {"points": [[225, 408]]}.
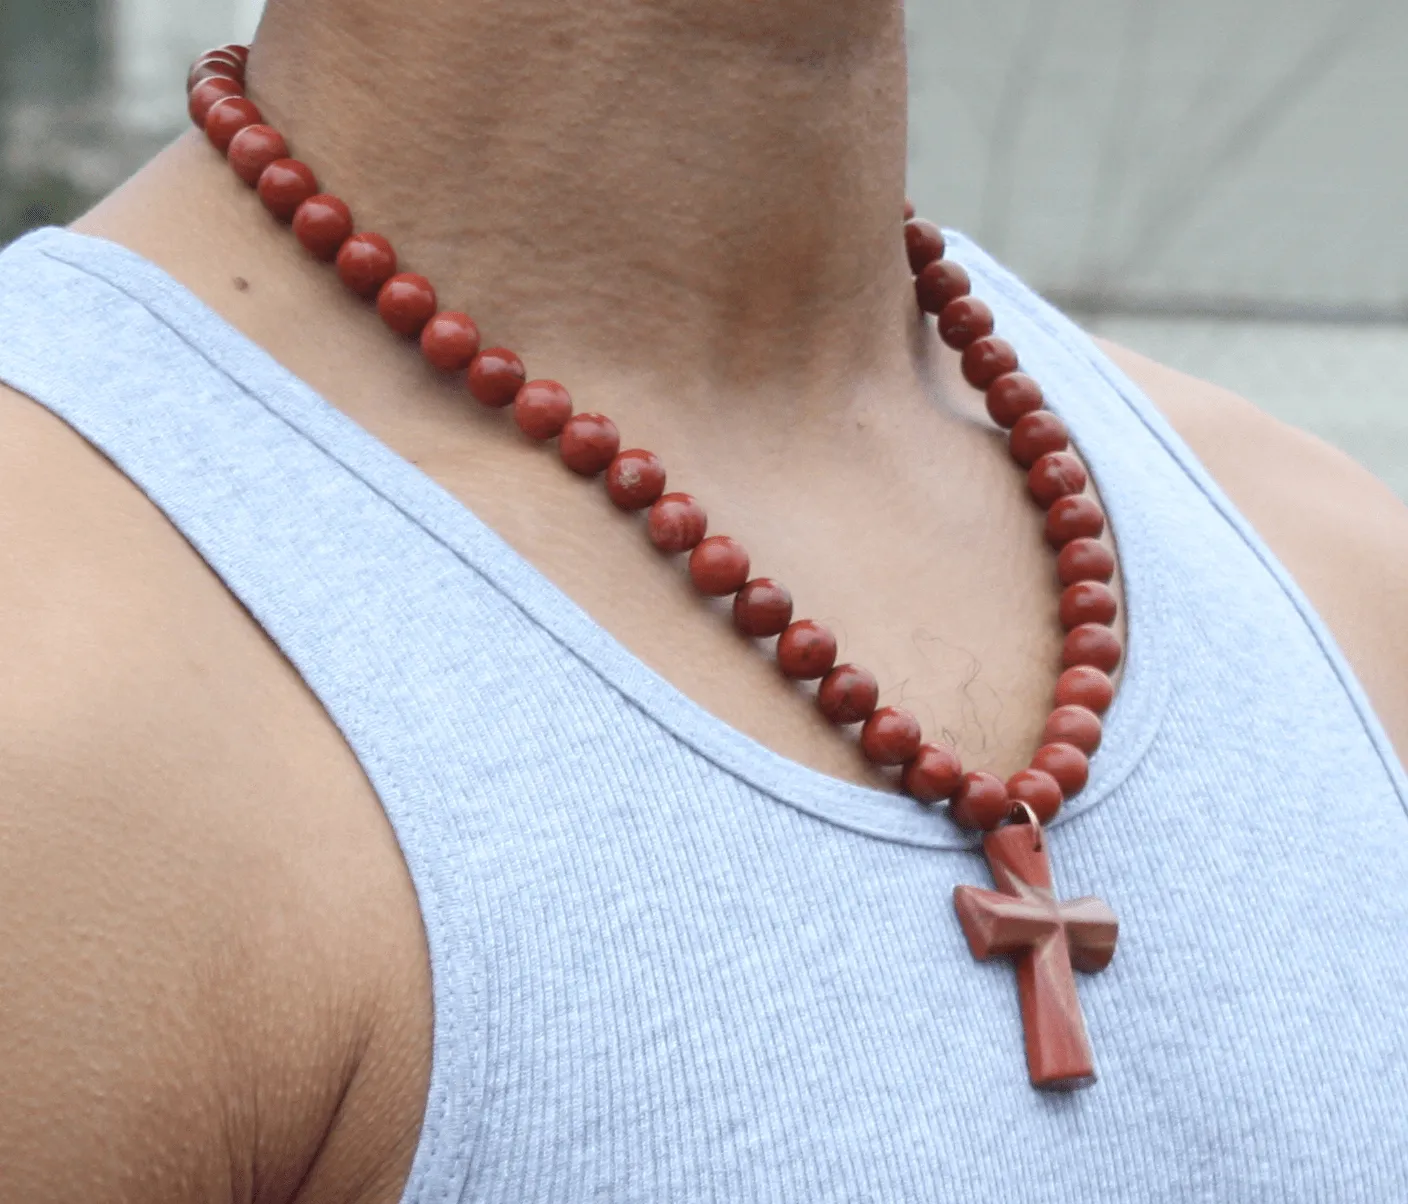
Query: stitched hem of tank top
{"points": [[1132, 724], [1062, 328], [454, 1113]]}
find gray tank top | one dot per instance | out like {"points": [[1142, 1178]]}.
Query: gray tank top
{"points": [[670, 965]]}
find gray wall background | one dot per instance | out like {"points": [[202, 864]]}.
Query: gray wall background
{"points": [[1222, 184]]}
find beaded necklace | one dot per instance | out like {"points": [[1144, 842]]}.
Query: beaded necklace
{"points": [[1022, 919]]}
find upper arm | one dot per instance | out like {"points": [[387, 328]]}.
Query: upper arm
{"points": [[1339, 531], [108, 1033], [174, 1001]]}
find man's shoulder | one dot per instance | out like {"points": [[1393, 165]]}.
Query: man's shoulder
{"points": [[185, 1007], [1339, 530]]}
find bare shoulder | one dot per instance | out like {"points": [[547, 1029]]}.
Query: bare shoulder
{"points": [[1341, 533], [193, 983]]}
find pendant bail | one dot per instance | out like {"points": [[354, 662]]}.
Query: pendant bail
{"points": [[1038, 835]]}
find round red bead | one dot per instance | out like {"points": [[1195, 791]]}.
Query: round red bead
{"points": [[494, 377], [1076, 516], [676, 523], [935, 773], [1067, 764], [1091, 644], [1035, 435], [987, 359], [762, 608], [924, 242], [215, 65], [1073, 725], [232, 53], [1087, 602], [891, 736], [980, 803], [365, 262], [1012, 396], [719, 566], [1039, 790], [939, 283], [1085, 559], [964, 321], [406, 303], [227, 118], [450, 341], [541, 408], [1054, 476], [322, 224], [806, 650], [206, 93], [284, 185], [1085, 686], [635, 479], [252, 149], [588, 443], [848, 694]]}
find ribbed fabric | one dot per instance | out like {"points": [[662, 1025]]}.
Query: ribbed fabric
{"points": [[670, 965]]}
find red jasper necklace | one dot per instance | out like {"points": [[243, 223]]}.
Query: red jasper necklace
{"points": [[1022, 919]]}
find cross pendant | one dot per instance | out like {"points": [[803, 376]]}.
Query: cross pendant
{"points": [[1023, 920]]}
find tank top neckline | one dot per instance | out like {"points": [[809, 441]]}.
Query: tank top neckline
{"points": [[1131, 722]]}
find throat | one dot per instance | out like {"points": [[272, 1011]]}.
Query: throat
{"points": [[708, 190]]}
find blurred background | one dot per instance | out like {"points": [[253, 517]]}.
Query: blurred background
{"points": [[1221, 184]]}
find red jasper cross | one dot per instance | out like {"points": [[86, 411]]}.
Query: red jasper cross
{"points": [[1023, 920]]}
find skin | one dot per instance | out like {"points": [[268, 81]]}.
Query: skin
{"points": [[213, 966]]}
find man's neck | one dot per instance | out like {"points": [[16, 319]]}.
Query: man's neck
{"points": [[705, 190]]}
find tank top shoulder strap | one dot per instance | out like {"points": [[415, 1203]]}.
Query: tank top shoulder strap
{"points": [[1147, 473]]}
